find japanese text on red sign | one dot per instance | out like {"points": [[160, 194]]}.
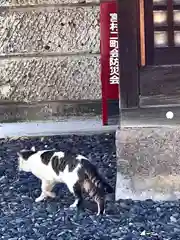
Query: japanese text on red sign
{"points": [[113, 43]]}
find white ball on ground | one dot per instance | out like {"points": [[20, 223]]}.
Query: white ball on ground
{"points": [[169, 115]]}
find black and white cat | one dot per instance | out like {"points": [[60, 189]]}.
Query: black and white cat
{"points": [[76, 171]]}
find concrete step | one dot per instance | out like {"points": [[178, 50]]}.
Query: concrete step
{"points": [[75, 125], [148, 163]]}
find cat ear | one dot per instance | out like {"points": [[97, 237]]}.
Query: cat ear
{"points": [[19, 154], [33, 149]]}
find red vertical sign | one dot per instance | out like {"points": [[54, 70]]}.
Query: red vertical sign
{"points": [[109, 55]]}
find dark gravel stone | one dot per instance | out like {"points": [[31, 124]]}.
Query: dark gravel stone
{"points": [[23, 219]]}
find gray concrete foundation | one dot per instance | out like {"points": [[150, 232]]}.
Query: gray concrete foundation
{"points": [[148, 163]]}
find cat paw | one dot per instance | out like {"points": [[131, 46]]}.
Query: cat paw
{"points": [[100, 213], [72, 206], [39, 199]]}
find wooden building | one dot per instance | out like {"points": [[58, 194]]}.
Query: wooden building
{"points": [[149, 52]]}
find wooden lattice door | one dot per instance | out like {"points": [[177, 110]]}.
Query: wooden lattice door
{"points": [[160, 74], [162, 31]]}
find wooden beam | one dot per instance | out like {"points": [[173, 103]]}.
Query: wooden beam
{"points": [[170, 23], [149, 33], [160, 85], [128, 51]]}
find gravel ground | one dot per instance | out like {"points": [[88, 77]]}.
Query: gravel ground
{"points": [[23, 219]]}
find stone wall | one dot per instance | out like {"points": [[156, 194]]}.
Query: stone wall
{"points": [[49, 50]]}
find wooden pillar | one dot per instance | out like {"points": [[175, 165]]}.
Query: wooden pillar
{"points": [[129, 57], [142, 32]]}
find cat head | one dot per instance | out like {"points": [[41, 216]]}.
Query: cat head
{"points": [[23, 156]]}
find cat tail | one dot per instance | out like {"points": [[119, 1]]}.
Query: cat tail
{"points": [[93, 175]]}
